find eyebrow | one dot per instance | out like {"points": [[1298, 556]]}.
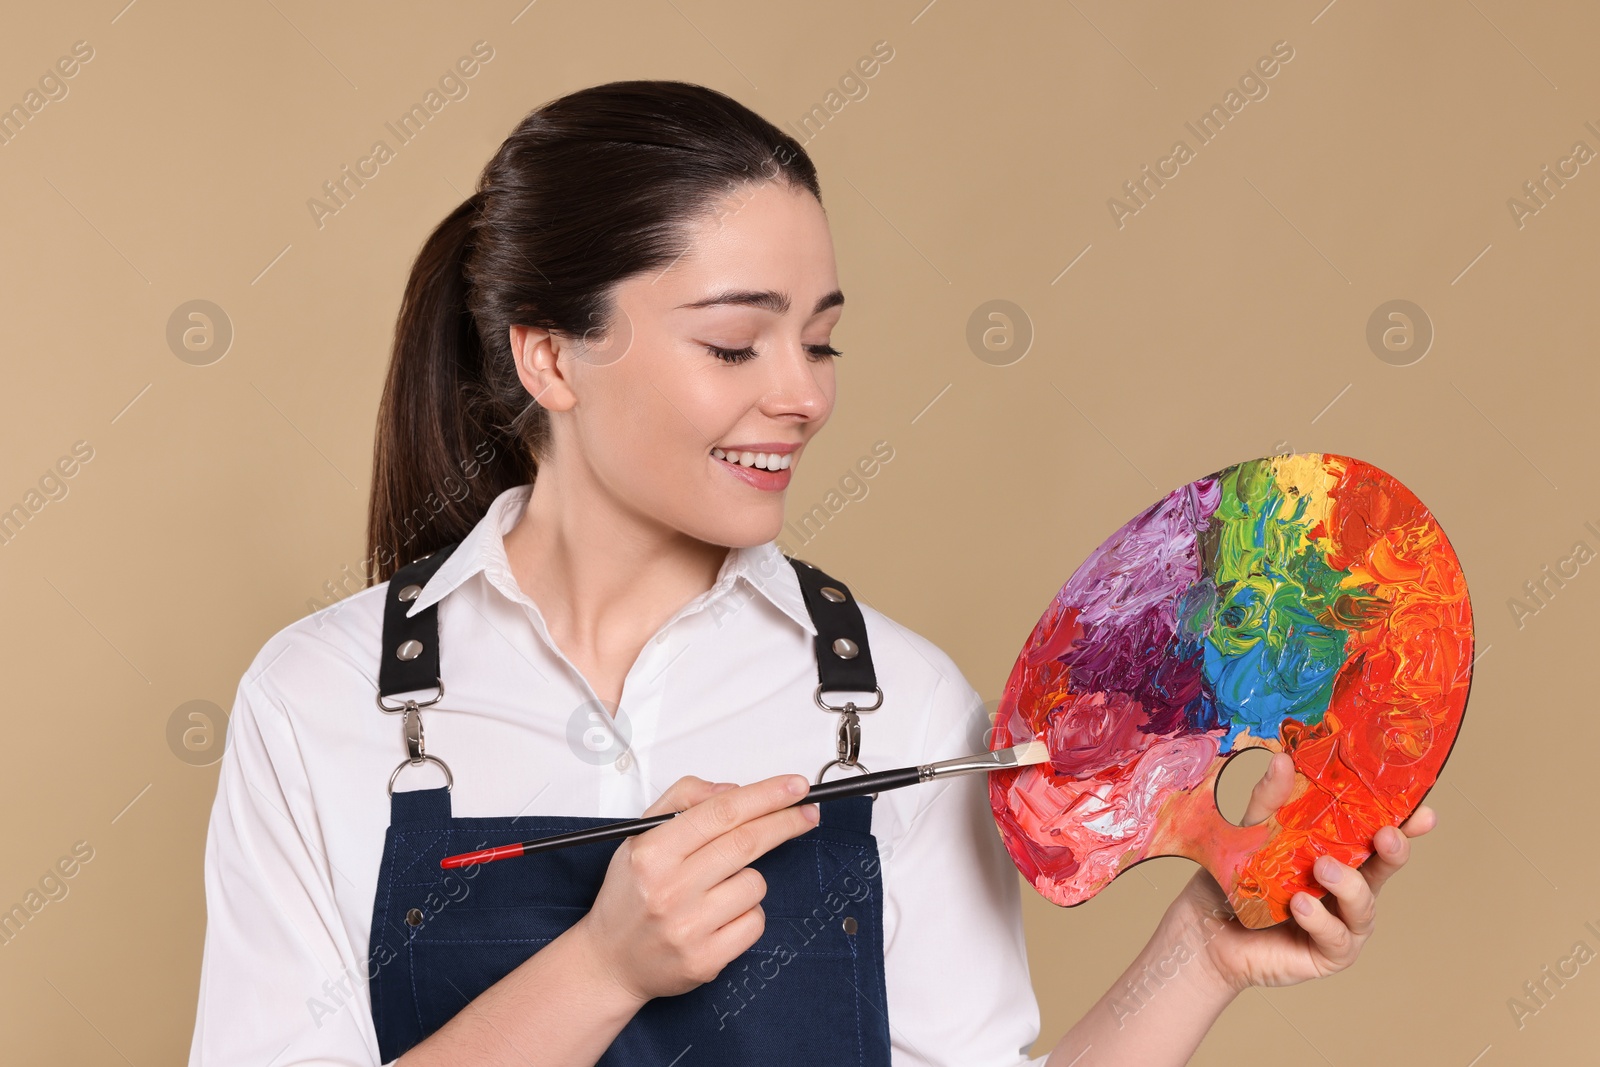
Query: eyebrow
{"points": [[764, 298]]}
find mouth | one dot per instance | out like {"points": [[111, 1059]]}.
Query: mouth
{"points": [[766, 469]]}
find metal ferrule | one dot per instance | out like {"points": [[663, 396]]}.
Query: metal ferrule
{"points": [[986, 761]]}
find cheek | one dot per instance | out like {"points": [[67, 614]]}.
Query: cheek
{"points": [[651, 428], [827, 381]]}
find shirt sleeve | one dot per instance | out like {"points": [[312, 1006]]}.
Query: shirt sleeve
{"points": [[959, 962], [280, 983]]}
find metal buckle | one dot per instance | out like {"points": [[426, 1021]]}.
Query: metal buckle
{"points": [[404, 704], [848, 705]]}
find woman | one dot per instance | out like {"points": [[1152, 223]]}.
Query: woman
{"points": [[608, 362]]}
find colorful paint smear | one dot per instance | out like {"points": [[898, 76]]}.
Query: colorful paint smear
{"points": [[1308, 604]]}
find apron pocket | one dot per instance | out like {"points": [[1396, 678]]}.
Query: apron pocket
{"points": [[458, 953]]}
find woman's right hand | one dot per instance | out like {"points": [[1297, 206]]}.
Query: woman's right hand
{"points": [[680, 901]]}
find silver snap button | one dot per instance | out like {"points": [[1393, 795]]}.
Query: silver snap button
{"points": [[408, 650], [414, 917], [835, 595], [850, 924], [410, 593], [845, 648], [623, 762]]}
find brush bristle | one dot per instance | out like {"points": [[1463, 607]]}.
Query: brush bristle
{"points": [[1031, 753]]}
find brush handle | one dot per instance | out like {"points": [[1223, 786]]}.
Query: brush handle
{"points": [[861, 785], [609, 832], [858, 786]]}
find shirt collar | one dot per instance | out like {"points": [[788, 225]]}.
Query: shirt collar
{"points": [[763, 567]]}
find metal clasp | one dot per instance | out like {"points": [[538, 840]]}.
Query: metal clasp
{"points": [[416, 745], [848, 737]]}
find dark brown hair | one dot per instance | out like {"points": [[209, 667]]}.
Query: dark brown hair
{"points": [[588, 190]]}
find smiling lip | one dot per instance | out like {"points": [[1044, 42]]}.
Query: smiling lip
{"points": [[770, 481], [760, 446]]}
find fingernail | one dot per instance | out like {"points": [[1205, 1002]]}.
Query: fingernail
{"points": [[798, 785], [811, 811], [1328, 869], [722, 787], [1302, 904]]}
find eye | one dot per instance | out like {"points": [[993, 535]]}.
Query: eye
{"points": [[739, 355], [733, 355]]}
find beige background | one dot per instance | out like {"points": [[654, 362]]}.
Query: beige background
{"points": [[1225, 320]]}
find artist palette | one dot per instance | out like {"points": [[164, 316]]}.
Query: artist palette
{"points": [[1308, 604]]}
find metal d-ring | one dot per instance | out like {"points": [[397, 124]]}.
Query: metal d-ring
{"points": [[407, 704], [848, 705], [449, 779], [841, 763]]}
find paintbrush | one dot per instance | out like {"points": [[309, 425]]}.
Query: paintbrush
{"points": [[860, 785]]}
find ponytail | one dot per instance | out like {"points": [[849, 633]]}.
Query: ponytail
{"points": [[591, 188], [439, 458]]}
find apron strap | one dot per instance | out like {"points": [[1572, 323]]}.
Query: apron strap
{"points": [[419, 807], [844, 662], [410, 659]]}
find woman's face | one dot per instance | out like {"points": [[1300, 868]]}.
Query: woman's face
{"points": [[694, 409]]}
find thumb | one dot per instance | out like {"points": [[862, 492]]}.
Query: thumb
{"points": [[1272, 790], [685, 793]]}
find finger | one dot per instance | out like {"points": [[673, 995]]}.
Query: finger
{"points": [[738, 934], [724, 855], [1332, 937], [685, 793], [1392, 846], [1422, 820], [1358, 902], [738, 848], [1272, 790], [729, 813], [733, 896]]}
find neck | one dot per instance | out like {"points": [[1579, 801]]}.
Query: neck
{"points": [[595, 566]]}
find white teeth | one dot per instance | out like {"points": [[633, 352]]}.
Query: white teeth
{"points": [[770, 461]]}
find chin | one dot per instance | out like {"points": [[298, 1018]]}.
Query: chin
{"points": [[756, 527]]}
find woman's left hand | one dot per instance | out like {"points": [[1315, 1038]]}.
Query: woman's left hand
{"points": [[1325, 937]]}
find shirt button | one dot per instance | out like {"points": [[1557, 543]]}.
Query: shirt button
{"points": [[623, 762]]}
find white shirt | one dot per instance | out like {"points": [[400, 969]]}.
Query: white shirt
{"points": [[723, 691]]}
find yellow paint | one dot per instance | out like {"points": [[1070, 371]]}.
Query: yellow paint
{"points": [[1307, 476]]}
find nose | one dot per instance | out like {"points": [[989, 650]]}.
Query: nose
{"points": [[798, 384]]}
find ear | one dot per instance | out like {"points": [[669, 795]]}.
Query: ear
{"points": [[541, 367]]}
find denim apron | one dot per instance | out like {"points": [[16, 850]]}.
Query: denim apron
{"points": [[811, 988]]}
